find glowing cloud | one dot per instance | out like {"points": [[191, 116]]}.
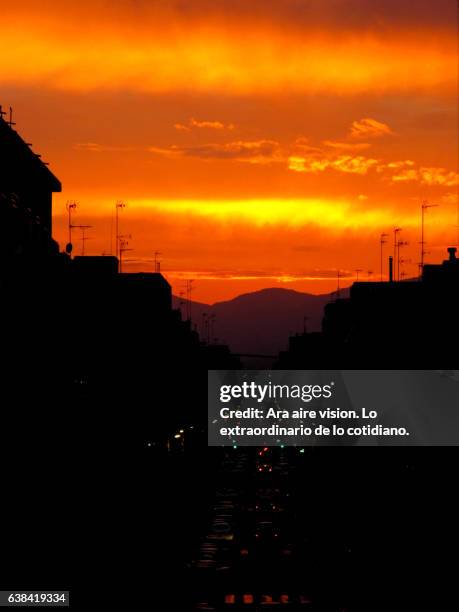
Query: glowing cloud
{"points": [[428, 176], [211, 125], [369, 128], [343, 163], [254, 152]]}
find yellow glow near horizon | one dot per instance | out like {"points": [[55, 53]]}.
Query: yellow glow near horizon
{"points": [[332, 215]]}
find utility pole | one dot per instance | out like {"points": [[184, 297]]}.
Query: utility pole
{"points": [[357, 272], [424, 207], [382, 242]]}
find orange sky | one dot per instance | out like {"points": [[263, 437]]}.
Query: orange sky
{"points": [[256, 144]]}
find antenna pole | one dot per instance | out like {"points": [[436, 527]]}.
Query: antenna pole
{"points": [[11, 122], [400, 243], [118, 206], [396, 232], [84, 237], [71, 206], [181, 302], [382, 242], [157, 265], [122, 249], [189, 289]]}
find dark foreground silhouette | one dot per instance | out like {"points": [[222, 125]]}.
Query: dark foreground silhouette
{"points": [[109, 488]]}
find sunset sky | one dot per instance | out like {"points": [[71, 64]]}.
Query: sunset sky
{"points": [[255, 143]]}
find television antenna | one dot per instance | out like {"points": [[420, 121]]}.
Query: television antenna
{"points": [[400, 244], [118, 206], [397, 230], [71, 205], [182, 301], [188, 288], [123, 248], [382, 242], [83, 229], [402, 263], [10, 122], [157, 263]]}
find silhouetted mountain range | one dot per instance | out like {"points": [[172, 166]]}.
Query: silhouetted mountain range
{"points": [[261, 322]]}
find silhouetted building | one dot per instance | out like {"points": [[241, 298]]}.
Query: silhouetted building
{"points": [[407, 324], [97, 268], [26, 188], [79, 329], [149, 290]]}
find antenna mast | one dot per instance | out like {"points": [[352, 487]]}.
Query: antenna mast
{"points": [[189, 289], [400, 244], [382, 242], [157, 263], [123, 247], [397, 230], [83, 229], [71, 206], [119, 205], [11, 122]]}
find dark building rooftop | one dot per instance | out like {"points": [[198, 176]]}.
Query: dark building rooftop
{"points": [[445, 273], [98, 267], [20, 167], [412, 323], [26, 188]]}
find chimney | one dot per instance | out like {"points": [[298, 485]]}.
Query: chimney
{"points": [[391, 269], [452, 253]]}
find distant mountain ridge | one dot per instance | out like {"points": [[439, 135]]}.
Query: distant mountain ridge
{"points": [[262, 321]]}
